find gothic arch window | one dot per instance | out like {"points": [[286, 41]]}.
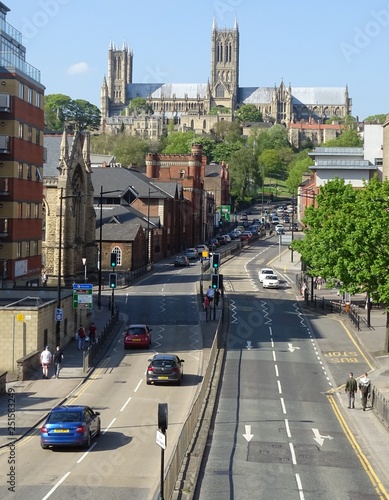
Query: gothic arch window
{"points": [[304, 115], [338, 112], [192, 124], [326, 113], [78, 203], [204, 124], [118, 252], [118, 68], [220, 91], [182, 174], [220, 58]]}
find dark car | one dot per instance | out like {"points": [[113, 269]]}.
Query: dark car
{"points": [[192, 253], [137, 336], [165, 368], [70, 425], [294, 226], [181, 261]]}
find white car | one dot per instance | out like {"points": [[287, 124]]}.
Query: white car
{"points": [[263, 273], [280, 229], [271, 281]]}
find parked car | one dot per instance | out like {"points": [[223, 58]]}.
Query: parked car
{"points": [[191, 253], [213, 242], [221, 240], [181, 261], [202, 248], [294, 226], [137, 336], [227, 238], [266, 271], [279, 228], [270, 281], [246, 236], [164, 368], [70, 425]]}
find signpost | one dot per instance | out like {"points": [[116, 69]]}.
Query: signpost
{"points": [[82, 296], [225, 212]]}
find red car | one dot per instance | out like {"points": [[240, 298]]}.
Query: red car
{"points": [[246, 236], [137, 336]]}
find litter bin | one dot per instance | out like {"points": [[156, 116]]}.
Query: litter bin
{"points": [[347, 307]]}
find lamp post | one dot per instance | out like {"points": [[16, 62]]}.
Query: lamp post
{"points": [[84, 264], [148, 231]]}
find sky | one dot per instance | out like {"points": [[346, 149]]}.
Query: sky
{"points": [[303, 42]]}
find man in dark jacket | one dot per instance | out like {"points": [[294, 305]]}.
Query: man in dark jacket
{"points": [[351, 389]]}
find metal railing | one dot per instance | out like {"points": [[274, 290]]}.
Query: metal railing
{"points": [[381, 405], [95, 352]]}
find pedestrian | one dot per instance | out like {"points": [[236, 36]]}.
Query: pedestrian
{"points": [[210, 293], [92, 334], [58, 358], [46, 358], [217, 297], [81, 337], [365, 387], [351, 388], [206, 304]]}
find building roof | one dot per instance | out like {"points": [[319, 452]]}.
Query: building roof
{"points": [[52, 143], [255, 95], [99, 160], [343, 165], [319, 95], [167, 90]]}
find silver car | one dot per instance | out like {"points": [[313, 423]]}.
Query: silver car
{"points": [[164, 368]]}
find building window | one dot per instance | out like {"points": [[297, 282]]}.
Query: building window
{"points": [[28, 210], [20, 170], [37, 136], [182, 174], [20, 130], [37, 100], [18, 249], [378, 161], [20, 210], [29, 133], [35, 248], [118, 255], [36, 210], [27, 248], [21, 90], [29, 95], [29, 172]]}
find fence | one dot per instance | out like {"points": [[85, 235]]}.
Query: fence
{"points": [[381, 405], [95, 352]]}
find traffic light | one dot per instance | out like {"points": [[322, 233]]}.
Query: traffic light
{"points": [[113, 259], [216, 260], [215, 281], [113, 277]]}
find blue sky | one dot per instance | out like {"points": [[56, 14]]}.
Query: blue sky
{"points": [[305, 43]]}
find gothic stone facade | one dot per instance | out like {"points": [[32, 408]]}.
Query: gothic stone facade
{"points": [[189, 104]]}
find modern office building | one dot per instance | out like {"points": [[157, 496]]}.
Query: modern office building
{"points": [[21, 161]]}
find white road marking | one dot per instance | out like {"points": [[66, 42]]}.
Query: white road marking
{"points": [[274, 356], [276, 367], [279, 387], [56, 486], [299, 486], [293, 454], [112, 422], [125, 404], [287, 428], [283, 405], [86, 453], [137, 387]]}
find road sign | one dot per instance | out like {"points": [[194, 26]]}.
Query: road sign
{"points": [[82, 296], [161, 439], [59, 314], [225, 212], [20, 317]]}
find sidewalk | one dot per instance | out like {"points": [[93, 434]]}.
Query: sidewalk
{"points": [[370, 431], [35, 397]]}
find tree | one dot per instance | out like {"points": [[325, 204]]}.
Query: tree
{"points": [[224, 150], [244, 172], [348, 139], [139, 105], [62, 111], [248, 113], [298, 166], [271, 164], [381, 118], [131, 150], [178, 143], [227, 131], [219, 110]]}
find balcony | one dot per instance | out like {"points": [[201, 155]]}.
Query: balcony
{"points": [[5, 103], [3, 269], [4, 144], [4, 185], [3, 228]]}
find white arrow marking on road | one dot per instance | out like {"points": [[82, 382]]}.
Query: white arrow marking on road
{"points": [[248, 346], [248, 436], [291, 348], [318, 438]]}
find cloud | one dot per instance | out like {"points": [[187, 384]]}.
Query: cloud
{"points": [[78, 68]]}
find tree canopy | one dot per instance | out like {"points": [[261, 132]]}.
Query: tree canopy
{"points": [[381, 118], [61, 111], [248, 113], [139, 105]]}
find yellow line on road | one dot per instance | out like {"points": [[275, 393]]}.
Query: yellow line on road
{"points": [[378, 486]]}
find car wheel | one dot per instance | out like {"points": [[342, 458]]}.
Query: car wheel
{"points": [[98, 432], [88, 441], [148, 382]]}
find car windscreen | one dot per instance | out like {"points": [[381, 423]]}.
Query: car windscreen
{"points": [[64, 416], [165, 363], [135, 331]]}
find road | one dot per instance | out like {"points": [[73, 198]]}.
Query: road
{"points": [[124, 462], [277, 431]]}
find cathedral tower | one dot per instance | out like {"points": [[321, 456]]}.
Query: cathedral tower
{"points": [[119, 74], [225, 63]]}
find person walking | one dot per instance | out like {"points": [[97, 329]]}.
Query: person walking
{"points": [[365, 387], [46, 358], [92, 333], [351, 388], [81, 337], [58, 358], [217, 297], [210, 293], [206, 305]]}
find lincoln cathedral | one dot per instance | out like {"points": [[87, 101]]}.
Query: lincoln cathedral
{"points": [[189, 104]]}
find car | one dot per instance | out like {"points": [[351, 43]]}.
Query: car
{"points": [[227, 238], [254, 229], [279, 228], [192, 253], [286, 219], [213, 242], [181, 261], [270, 281], [202, 248], [137, 336], [221, 240], [266, 271], [70, 425], [165, 368], [243, 217], [246, 235], [275, 219], [294, 226]]}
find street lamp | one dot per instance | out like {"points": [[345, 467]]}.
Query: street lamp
{"points": [[84, 264]]}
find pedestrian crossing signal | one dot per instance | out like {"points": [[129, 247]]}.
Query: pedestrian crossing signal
{"points": [[113, 259], [216, 260], [215, 281]]}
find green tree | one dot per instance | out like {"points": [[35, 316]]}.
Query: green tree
{"points": [[55, 109], [244, 172], [227, 131], [139, 105], [381, 118], [61, 111], [223, 151], [222, 110], [271, 164], [298, 166], [248, 113], [131, 150], [178, 143], [348, 139]]}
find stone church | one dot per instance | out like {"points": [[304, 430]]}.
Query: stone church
{"points": [[189, 104]]}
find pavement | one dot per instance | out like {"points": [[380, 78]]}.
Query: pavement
{"points": [[35, 397], [369, 430]]}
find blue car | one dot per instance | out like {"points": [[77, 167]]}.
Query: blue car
{"points": [[70, 426]]}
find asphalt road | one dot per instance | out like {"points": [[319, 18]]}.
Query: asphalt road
{"points": [[277, 431], [124, 462]]}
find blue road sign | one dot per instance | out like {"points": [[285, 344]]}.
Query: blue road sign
{"points": [[59, 314], [82, 286]]}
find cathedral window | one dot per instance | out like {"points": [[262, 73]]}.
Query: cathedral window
{"points": [[118, 252], [182, 172], [220, 91]]}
